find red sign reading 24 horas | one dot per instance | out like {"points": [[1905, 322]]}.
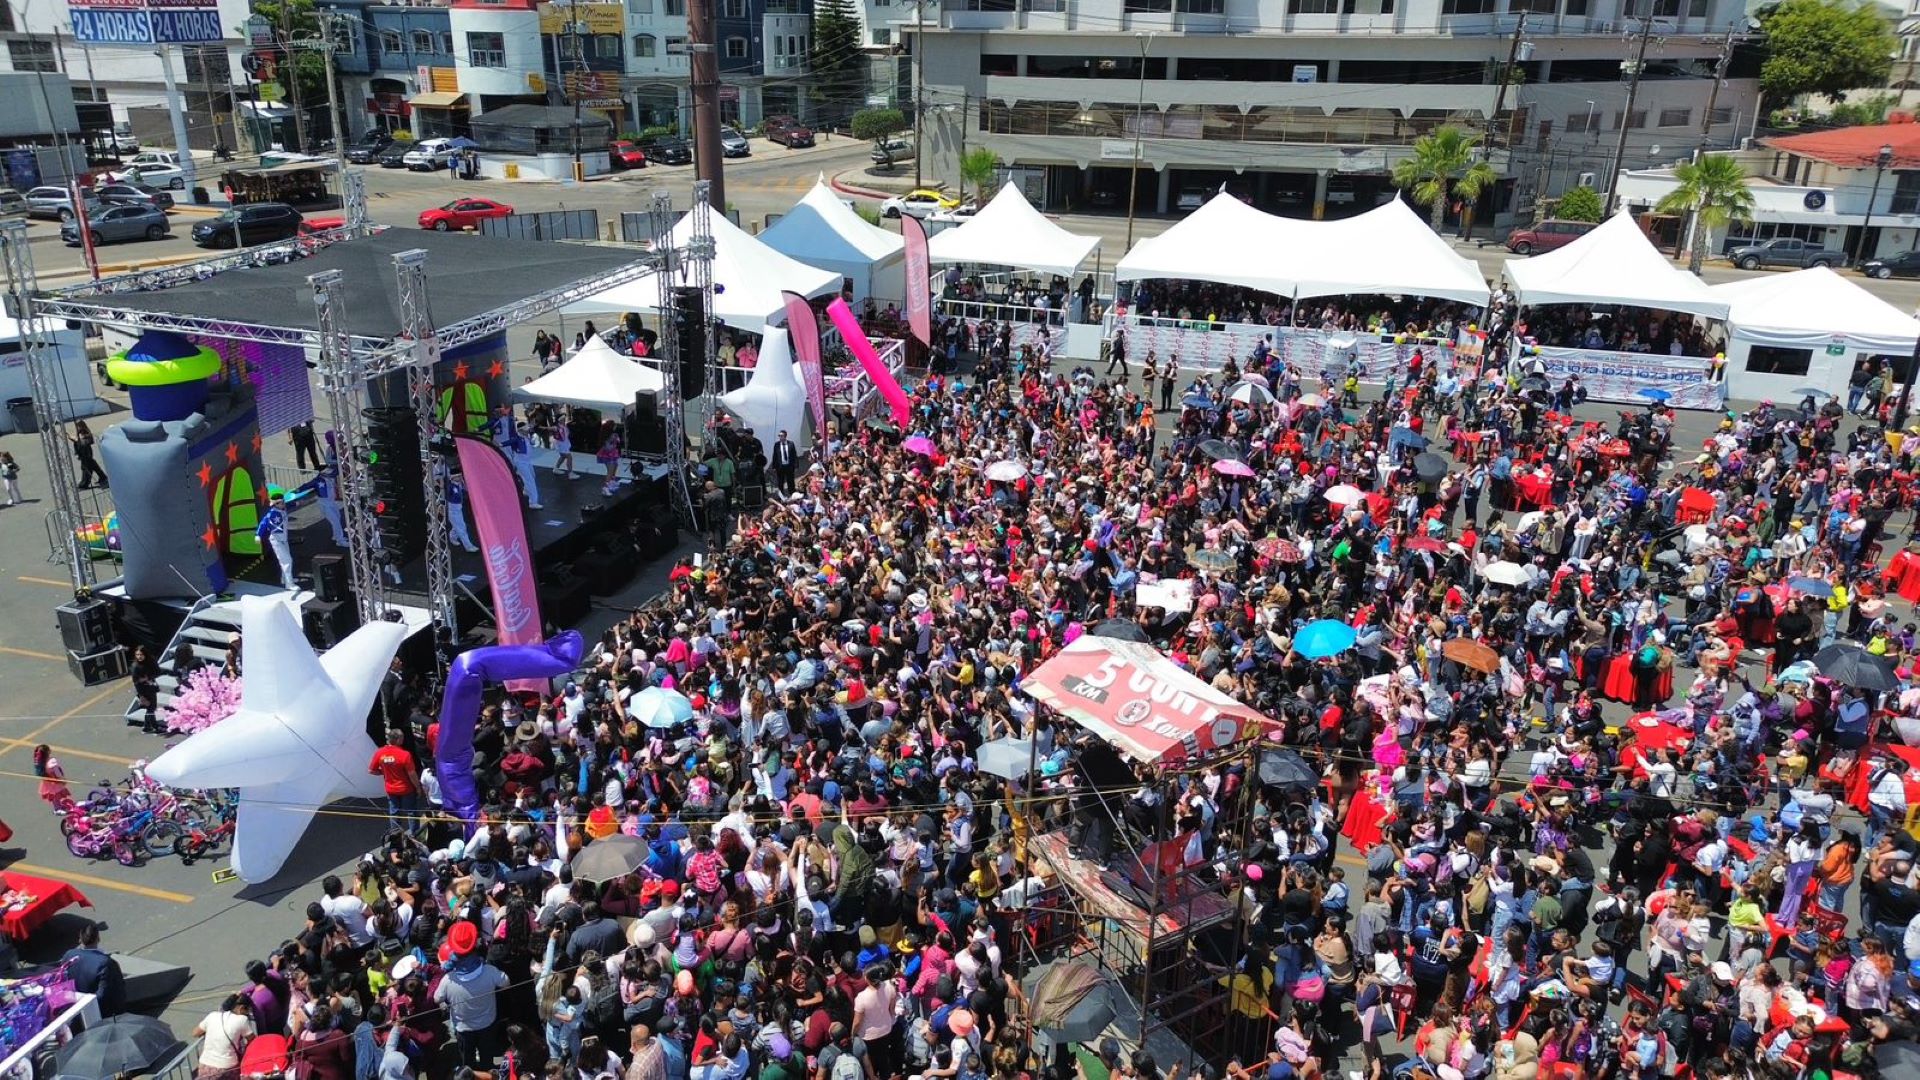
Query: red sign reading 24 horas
{"points": [[1143, 704]]}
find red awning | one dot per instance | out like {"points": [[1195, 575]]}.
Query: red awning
{"points": [[1145, 705]]}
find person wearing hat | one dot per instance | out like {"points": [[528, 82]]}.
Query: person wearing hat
{"points": [[272, 530], [470, 994]]}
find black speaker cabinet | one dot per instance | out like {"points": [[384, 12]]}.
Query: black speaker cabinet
{"points": [[328, 622], [566, 601], [102, 666], [658, 537], [86, 626], [330, 577], [607, 571]]}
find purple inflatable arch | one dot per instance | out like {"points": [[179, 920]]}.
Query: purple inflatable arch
{"points": [[460, 707]]}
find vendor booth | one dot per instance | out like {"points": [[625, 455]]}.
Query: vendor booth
{"points": [[821, 230], [1808, 328], [748, 277]]}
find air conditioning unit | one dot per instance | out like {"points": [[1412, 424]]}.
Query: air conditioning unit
{"points": [[1586, 180]]}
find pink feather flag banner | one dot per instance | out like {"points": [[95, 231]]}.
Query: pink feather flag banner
{"points": [[883, 380]]}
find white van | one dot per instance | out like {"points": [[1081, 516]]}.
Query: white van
{"points": [[430, 154]]}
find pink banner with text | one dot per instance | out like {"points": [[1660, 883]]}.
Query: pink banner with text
{"points": [[495, 501], [919, 299], [803, 334]]}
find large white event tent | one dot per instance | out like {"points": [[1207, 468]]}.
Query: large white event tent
{"points": [[1806, 328], [1388, 250], [822, 230], [748, 277], [1613, 264], [596, 377], [1008, 231]]}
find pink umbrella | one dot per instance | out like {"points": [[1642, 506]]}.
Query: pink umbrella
{"points": [[1230, 467], [919, 444]]}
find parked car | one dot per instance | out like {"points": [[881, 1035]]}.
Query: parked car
{"points": [[369, 148], [959, 215], [255, 223], [626, 154], [917, 203], [12, 203], [892, 151], [1103, 199], [124, 141], [462, 214], [1547, 235], [733, 144], [153, 174], [1190, 198], [430, 154], [1784, 251], [788, 132], [115, 223], [133, 195], [55, 202], [395, 156], [1905, 264], [156, 158], [670, 150]]}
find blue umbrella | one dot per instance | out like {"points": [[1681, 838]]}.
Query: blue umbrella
{"points": [[1654, 394], [657, 707], [1323, 637], [1810, 586], [461, 142]]}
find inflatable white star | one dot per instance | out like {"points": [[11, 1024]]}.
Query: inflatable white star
{"points": [[773, 399], [299, 739]]}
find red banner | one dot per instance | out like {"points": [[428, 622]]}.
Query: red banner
{"points": [[803, 333], [1143, 704], [495, 501], [883, 380], [919, 299]]}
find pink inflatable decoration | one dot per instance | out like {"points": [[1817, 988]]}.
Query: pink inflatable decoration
{"points": [[883, 380]]}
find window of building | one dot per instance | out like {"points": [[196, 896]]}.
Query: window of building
{"points": [[1637, 121], [391, 41], [639, 7], [1147, 5], [1722, 114], [643, 45], [1201, 7], [1313, 7], [1676, 117], [606, 46], [1775, 360], [569, 45], [446, 43], [733, 9], [343, 35], [676, 46], [736, 48], [423, 41], [1576, 8], [1582, 122], [882, 36], [1532, 7], [999, 64], [1544, 136], [1906, 193], [1466, 7], [1696, 9], [486, 49], [675, 7], [1664, 9], [31, 55]]}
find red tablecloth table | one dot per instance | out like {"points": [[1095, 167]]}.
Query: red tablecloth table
{"points": [[1531, 489], [1903, 575], [49, 897], [1616, 683], [1362, 826]]}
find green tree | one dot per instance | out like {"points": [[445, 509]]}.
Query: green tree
{"points": [[1871, 109], [877, 125], [1715, 189], [1442, 163], [306, 69], [836, 66], [1579, 204], [1825, 47], [978, 167]]}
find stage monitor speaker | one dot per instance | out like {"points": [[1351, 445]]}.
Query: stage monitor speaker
{"points": [[607, 571], [86, 626], [750, 496], [657, 536], [328, 622], [102, 666], [646, 429], [330, 579], [690, 330], [566, 602]]}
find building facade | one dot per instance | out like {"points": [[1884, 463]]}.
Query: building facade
{"points": [[1304, 106]]}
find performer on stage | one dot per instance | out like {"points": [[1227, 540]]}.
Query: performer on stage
{"points": [[520, 449], [326, 490], [273, 530], [457, 514]]}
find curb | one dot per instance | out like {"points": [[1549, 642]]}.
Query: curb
{"points": [[844, 188]]}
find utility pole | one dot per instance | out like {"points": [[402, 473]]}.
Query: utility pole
{"points": [[1626, 115], [919, 44], [573, 29], [705, 67], [206, 83], [293, 77], [1706, 136], [1500, 93], [1139, 106]]}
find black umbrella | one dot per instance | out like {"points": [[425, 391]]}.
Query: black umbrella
{"points": [[1124, 629], [1288, 771], [1536, 382], [1219, 450], [1414, 440], [1429, 467], [612, 857], [121, 1044], [1850, 665], [881, 424]]}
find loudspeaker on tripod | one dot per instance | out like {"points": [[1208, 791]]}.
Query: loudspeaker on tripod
{"points": [[690, 330], [646, 428]]}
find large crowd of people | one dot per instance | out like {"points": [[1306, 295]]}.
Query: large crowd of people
{"points": [[1589, 807]]}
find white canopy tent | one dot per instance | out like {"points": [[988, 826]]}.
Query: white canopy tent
{"points": [[1613, 264], [596, 377], [1810, 328], [1008, 231], [823, 231], [1388, 250], [748, 277], [72, 372]]}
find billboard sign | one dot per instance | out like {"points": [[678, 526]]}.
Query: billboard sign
{"points": [[583, 18], [145, 22]]}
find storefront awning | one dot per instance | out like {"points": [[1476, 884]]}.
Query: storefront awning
{"points": [[439, 99]]}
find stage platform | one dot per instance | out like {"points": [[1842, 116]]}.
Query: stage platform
{"points": [[1107, 892]]}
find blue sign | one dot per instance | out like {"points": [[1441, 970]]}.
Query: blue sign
{"points": [[187, 26], [139, 26]]}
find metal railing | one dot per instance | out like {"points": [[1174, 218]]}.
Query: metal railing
{"points": [[545, 225], [1221, 123]]}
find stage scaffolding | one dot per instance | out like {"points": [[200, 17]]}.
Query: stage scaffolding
{"points": [[1139, 920], [346, 364]]}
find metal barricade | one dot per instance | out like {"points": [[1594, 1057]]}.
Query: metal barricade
{"points": [[545, 225]]}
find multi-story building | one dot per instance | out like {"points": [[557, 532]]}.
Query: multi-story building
{"points": [[1304, 106], [409, 52]]}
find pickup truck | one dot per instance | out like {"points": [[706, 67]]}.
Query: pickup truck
{"points": [[1784, 251]]}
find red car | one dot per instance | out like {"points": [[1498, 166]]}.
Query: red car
{"points": [[463, 214], [625, 154]]}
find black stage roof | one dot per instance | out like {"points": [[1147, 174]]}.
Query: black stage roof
{"points": [[470, 280]]}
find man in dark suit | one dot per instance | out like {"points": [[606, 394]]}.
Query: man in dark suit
{"points": [[95, 971], [785, 456]]}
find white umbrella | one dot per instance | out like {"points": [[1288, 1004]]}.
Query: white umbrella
{"points": [[656, 707], [1251, 393], [1006, 471], [1311, 401], [1506, 573], [1344, 494]]}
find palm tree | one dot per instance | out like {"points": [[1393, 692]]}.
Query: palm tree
{"points": [[977, 167], [1715, 189], [1441, 162]]}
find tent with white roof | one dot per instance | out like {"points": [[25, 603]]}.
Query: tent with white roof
{"points": [[1806, 328], [595, 377], [822, 230], [1613, 264], [1008, 231], [748, 277]]}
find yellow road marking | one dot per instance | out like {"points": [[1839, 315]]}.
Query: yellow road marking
{"points": [[29, 737], [102, 883], [46, 581], [11, 651]]}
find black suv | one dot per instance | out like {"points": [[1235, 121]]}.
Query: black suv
{"points": [[368, 149], [258, 223], [669, 151]]}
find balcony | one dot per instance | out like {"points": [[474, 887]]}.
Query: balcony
{"points": [[1221, 123]]}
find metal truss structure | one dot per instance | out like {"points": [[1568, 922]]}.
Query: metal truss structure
{"points": [[341, 375], [43, 370], [417, 320], [671, 265]]}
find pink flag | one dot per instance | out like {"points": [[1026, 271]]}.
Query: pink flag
{"points": [[883, 380], [495, 501], [803, 333], [919, 299]]}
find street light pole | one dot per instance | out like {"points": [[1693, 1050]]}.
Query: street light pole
{"points": [[919, 106], [1139, 104], [1626, 115], [1880, 161]]}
